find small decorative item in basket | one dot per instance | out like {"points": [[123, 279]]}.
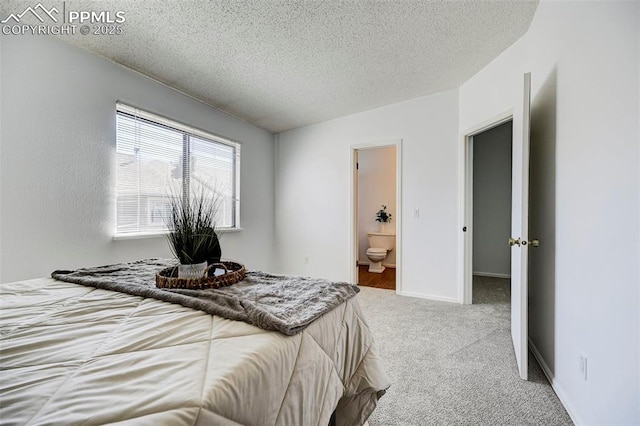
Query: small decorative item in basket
{"points": [[233, 273]]}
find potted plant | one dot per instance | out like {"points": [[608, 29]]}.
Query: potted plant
{"points": [[383, 217], [192, 234]]}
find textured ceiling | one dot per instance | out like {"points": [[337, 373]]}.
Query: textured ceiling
{"points": [[287, 64]]}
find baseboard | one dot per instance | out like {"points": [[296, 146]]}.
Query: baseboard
{"points": [[386, 265], [557, 388], [427, 296], [491, 274]]}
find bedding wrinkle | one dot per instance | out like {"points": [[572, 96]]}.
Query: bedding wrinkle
{"points": [[289, 383], [56, 392], [324, 398], [206, 372], [118, 327], [250, 375], [70, 377], [41, 316]]}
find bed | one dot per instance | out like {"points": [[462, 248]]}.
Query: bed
{"points": [[72, 354]]}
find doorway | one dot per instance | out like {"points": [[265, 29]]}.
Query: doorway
{"points": [[376, 171], [491, 210], [487, 211]]}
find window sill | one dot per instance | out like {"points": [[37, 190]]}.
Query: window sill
{"points": [[155, 235]]}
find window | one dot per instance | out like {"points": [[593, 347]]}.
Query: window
{"points": [[158, 158]]}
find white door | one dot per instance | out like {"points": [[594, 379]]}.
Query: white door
{"points": [[520, 227], [356, 201]]}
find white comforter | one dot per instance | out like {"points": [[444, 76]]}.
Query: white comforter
{"points": [[77, 355]]}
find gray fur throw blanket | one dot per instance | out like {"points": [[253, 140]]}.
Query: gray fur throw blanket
{"points": [[272, 302]]}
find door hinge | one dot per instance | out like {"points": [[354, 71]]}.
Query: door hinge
{"points": [[357, 166]]}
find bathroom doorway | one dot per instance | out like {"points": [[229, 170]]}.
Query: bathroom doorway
{"points": [[376, 217]]}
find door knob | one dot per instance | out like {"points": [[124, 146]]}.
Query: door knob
{"points": [[516, 242]]}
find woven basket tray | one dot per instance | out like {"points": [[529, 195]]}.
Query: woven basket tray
{"points": [[234, 272]]}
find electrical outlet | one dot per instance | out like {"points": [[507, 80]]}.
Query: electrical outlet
{"points": [[416, 213], [583, 366], [306, 260]]}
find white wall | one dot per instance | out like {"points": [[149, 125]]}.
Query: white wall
{"points": [[58, 161], [584, 281], [1, 132], [376, 187], [492, 201], [313, 197]]}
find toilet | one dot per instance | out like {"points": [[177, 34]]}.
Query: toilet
{"points": [[380, 244]]}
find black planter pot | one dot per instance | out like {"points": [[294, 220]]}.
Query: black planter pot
{"points": [[215, 255]]}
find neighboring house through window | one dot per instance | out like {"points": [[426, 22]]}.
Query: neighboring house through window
{"points": [[158, 158]]}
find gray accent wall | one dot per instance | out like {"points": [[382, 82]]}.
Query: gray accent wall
{"points": [[492, 201]]}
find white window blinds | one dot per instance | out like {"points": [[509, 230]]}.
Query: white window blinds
{"points": [[158, 158]]}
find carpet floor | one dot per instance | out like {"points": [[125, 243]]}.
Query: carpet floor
{"points": [[452, 364]]}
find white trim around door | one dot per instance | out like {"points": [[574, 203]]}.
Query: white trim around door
{"points": [[465, 254], [353, 208]]}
